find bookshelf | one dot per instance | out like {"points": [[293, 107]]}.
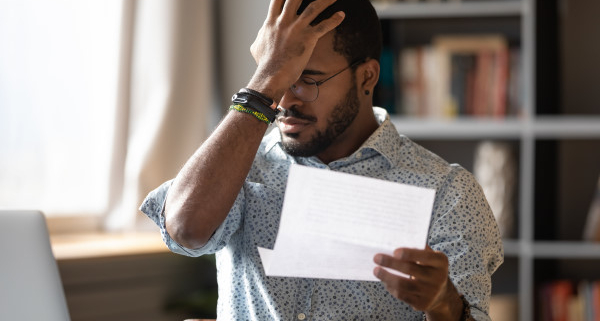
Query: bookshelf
{"points": [[395, 10], [557, 143]]}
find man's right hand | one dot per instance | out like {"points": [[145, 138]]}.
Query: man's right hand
{"points": [[205, 189], [285, 43]]}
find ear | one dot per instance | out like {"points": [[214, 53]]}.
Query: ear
{"points": [[367, 76]]}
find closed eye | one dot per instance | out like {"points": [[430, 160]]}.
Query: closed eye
{"points": [[308, 81]]}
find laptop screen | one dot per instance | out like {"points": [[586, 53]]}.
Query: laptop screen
{"points": [[30, 285]]}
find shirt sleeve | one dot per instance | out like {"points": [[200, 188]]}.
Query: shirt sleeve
{"points": [[464, 228], [153, 207]]}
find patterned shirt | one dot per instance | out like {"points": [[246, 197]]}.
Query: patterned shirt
{"points": [[462, 226]]}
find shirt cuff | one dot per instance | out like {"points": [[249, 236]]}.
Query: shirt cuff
{"points": [[154, 205]]}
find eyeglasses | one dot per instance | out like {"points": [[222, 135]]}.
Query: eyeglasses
{"points": [[307, 89]]}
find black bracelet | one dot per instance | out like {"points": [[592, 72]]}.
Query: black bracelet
{"points": [[466, 312], [251, 101], [270, 102], [465, 315]]}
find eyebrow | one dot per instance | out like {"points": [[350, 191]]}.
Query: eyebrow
{"points": [[312, 72]]}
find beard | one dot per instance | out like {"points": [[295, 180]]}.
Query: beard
{"points": [[341, 117]]}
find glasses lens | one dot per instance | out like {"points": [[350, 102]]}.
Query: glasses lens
{"points": [[305, 89]]}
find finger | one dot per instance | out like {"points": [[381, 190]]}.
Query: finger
{"points": [[330, 23], [290, 8], [275, 9], [315, 8], [413, 269], [399, 286], [426, 257]]}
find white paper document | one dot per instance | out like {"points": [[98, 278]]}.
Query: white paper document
{"points": [[332, 224]]}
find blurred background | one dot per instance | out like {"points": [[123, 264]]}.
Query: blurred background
{"points": [[103, 100]]}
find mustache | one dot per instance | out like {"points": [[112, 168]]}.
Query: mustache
{"points": [[293, 112]]}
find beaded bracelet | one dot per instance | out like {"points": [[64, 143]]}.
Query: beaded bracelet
{"points": [[254, 102], [260, 116]]}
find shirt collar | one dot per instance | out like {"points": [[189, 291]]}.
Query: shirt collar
{"points": [[385, 140]]}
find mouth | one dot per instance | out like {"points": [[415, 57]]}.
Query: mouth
{"points": [[292, 125]]}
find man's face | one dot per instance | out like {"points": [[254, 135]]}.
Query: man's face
{"points": [[311, 128]]}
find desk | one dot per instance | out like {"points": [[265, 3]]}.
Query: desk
{"points": [[98, 245], [126, 276]]}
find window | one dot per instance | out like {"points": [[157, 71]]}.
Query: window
{"points": [[58, 93]]}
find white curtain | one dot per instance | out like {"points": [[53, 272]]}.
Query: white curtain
{"points": [[166, 99], [101, 101], [57, 103]]}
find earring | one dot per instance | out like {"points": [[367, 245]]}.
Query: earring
{"points": [[367, 92]]}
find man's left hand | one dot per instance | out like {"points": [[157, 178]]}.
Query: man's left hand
{"points": [[426, 287]]}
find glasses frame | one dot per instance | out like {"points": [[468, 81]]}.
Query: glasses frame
{"points": [[320, 82]]}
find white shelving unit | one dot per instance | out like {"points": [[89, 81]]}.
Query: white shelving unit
{"points": [[527, 129], [396, 10], [541, 127]]}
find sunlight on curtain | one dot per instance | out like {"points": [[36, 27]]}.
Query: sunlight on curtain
{"points": [[58, 87]]}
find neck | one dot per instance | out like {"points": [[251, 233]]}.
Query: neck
{"points": [[352, 138]]}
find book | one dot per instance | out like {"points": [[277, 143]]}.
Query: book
{"points": [[595, 300], [567, 300], [515, 91], [556, 297], [462, 67], [592, 225], [458, 75], [384, 95], [411, 81], [489, 85]]}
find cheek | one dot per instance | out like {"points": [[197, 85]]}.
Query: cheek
{"points": [[323, 110]]}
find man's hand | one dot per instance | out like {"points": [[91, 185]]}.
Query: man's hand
{"points": [[428, 289], [285, 43]]}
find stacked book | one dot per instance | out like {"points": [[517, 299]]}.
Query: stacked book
{"points": [[460, 75], [563, 300]]}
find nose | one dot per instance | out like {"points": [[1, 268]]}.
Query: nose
{"points": [[289, 100]]}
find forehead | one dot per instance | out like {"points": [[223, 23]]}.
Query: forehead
{"points": [[324, 57]]}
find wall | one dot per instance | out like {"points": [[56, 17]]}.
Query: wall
{"points": [[239, 24]]}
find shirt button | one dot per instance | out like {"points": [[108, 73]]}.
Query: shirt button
{"points": [[358, 155], [301, 316]]}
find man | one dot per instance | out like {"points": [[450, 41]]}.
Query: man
{"points": [[319, 61]]}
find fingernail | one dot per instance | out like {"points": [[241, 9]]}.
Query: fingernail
{"points": [[378, 259], [398, 253], [376, 271]]}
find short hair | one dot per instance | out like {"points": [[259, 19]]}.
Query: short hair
{"points": [[359, 35]]}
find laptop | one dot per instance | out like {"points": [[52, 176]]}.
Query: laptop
{"points": [[30, 285]]}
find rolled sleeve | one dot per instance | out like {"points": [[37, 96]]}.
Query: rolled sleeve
{"points": [[153, 207]]}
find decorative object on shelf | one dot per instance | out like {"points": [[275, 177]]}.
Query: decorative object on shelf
{"points": [[592, 225], [495, 167]]}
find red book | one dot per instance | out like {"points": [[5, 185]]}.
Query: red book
{"points": [[562, 291], [595, 300], [500, 84]]}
